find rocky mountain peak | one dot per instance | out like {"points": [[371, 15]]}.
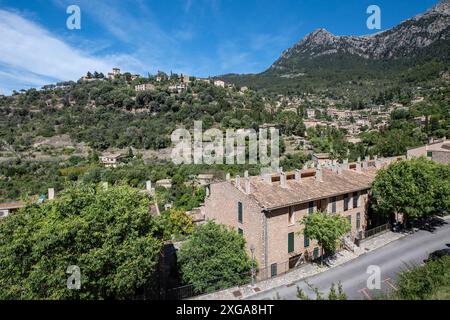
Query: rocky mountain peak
{"points": [[404, 40], [442, 7]]}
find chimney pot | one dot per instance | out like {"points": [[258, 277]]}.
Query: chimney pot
{"points": [[247, 186], [283, 179], [365, 165], [319, 176], [228, 176], [148, 186], [298, 175], [51, 194], [238, 181]]}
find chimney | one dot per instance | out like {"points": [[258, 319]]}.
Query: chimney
{"points": [[267, 177], [283, 179], [378, 164], [228, 176], [51, 193], [246, 174], [358, 166], [359, 159], [298, 175], [345, 164], [319, 176], [375, 157], [238, 181], [247, 186], [340, 168], [365, 165], [148, 186]]}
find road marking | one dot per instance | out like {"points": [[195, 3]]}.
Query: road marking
{"points": [[365, 293], [388, 282]]}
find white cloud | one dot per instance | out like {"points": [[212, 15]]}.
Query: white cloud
{"points": [[31, 56]]}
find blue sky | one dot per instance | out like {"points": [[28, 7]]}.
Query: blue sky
{"points": [[195, 37]]}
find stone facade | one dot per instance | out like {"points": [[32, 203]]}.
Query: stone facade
{"points": [[438, 151], [268, 227]]}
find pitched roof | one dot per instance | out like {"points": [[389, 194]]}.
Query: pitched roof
{"points": [[271, 195], [12, 205]]}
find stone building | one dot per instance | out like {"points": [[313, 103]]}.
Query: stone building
{"points": [[438, 151], [267, 209]]}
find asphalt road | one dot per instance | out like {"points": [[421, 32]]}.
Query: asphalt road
{"points": [[392, 258]]}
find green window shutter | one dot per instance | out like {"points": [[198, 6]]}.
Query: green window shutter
{"points": [[290, 242], [316, 252], [311, 207], [355, 199], [333, 205], [358, 220], [429, 154], [240, 213], [346, 201], [305, 241]]}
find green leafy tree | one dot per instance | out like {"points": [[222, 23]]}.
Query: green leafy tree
{"points": [[412, 188], [428, 282], [176, 223], [326, 229], [108, 234], [213, 258], [334, 294]]}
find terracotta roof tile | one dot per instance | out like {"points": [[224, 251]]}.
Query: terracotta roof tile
{"points": [[272, 195]]}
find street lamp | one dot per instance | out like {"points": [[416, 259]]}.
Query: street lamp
{"points": [[252, 249]]}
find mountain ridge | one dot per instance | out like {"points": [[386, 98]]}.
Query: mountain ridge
{"points": [[399, 41], [413, 53]]}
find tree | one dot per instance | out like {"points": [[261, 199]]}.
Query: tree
{"points": [[108, 234], [412, 188], [332, 295], [326, 229], [213, 258], [176, 223], [430, 281]]}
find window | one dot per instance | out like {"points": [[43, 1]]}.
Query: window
{"points": [[429, 154], [315, 253], [333, 204], [290, 242], [311, 207], [358, 220], [349, 219], [241, 232], [305, 241], [273, 270], [291, 216], [355, 200], [346, 201], [240, 213]]}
